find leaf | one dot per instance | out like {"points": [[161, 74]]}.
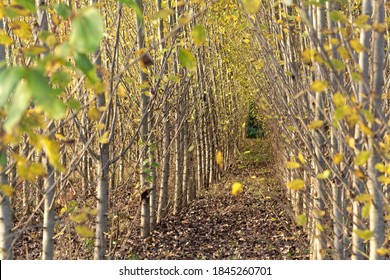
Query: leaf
{"points": [[324, 175], [104, 138], [219, 159], [63, 10], [365, 197], [187, 59], [43, 95], [9, 79], [384, 180], [338, 158], [355, 44], [337, 16], [319, 85], [21, 29], [315, 124], [383, 251], [362, 158], [27, 4], [293, 165], [364, 234], [161, 14], [301, 158], [199, 35], [52, 151], [87, 30], [84, 231], [366, 210], [301, 220], [5, 39], [19, 104], [251, 6], [133, 4], [296, 185], [7, 190], [236, 188], [338, 100], [34, 50], [85, 65]]}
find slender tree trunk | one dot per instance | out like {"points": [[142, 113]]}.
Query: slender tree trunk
{"points": [[374, 186]]}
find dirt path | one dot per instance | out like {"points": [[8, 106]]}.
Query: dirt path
{"points": [[252, 225]]}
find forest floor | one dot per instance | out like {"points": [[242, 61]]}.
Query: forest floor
{"points": [[255, 224]]}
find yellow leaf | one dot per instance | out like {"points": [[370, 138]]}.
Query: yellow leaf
{"points": [[60, 136], [301, 158], [219, 159], [319, 86], [296, 185], [7, 190], [52, 151], [21, 29], [84, 231], [324, 175], [366, 210], [199, 35], [338, 158], [251, 6], [362, 157], [236, 188], [355, 44], [315, 124], [383, 251], [338, 99], [365, 197], [104, 138], [364, 234], [384, 180], [5, 39], [93, 114], [320, 227], [293, 165]]}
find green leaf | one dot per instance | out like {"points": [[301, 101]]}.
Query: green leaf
{"points": [[9, 79], [27, 4], [337, 16], [199, 35], [19, 104], [84, 64], [134, 5], [362, 157], [44, 96], [301, 220], [187, 59], [63, 10], [84, 231], [87, 30], [163, 13], [296, 185]]}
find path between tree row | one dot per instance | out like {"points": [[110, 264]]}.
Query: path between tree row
{"points": [[253, 225]]}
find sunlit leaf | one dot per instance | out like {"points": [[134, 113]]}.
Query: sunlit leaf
{"points": [[315, 124], [324, 175], [364, 234], [52, 151], [251, 6], [104, 138], [301, 158], [296, 185], [362, 157], [366, 210], [84, 231], [199, 35], [87, 30], [319, 86], [338, 158], [21, 29], [219, 159], [301, 220], [187, 59], [365, 197], [7, 190], [236, 188], [383, 251], [293, 165], [163, 13]]}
